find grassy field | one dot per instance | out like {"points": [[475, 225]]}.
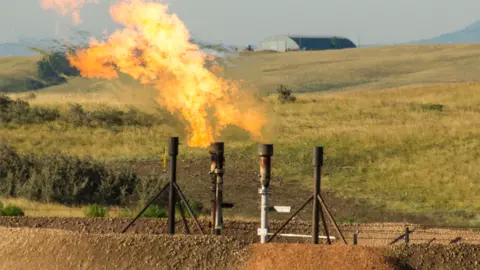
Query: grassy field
{"points": [[14, 71], [405, 136]]}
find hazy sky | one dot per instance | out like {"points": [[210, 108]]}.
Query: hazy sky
{"points": [[248, 21]]}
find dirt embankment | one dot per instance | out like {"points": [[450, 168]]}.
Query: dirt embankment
{"points": [[301, 256], [440, 257], [56, 249], [27, 248]]}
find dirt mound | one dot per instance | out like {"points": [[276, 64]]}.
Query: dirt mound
{"points": [[56, 249], [298, 256], [455, 256]]}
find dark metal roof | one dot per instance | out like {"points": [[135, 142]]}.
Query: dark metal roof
{"points": [[313, 36]]}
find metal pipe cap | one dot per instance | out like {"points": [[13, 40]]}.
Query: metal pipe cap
{"points": [[318, 156], [216, 148], [265, 150], [173, 146]]}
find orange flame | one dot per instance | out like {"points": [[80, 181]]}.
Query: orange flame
{"points": [[65, 7], [154, 48]]}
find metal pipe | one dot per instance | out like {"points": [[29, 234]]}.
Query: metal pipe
{"points": [[213, 190], [218, 150], [301, 235], [317, 163], [173, 152], [265, 151]]}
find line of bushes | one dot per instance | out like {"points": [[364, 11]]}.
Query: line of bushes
{"points": [[73, 181], [67, 180], [20, 112]]}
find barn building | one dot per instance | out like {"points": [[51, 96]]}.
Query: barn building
{"points": [[283, 43]]}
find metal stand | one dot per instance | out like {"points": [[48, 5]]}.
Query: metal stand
{"points": [[174, 190], [265, 151], [317, 199]]}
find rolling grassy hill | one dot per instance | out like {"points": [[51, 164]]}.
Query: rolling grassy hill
{"points": [[363, 68], [405, 137], [15, 71]]}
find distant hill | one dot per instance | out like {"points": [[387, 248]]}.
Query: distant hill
{"points": [[14, 49], [470, 34]]}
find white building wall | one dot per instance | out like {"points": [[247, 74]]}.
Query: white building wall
{"points": [[278, 43]]}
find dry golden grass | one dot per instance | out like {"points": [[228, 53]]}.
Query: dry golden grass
{"points": [[14, 71], [362, 68], [36, 209], [394, 146]]}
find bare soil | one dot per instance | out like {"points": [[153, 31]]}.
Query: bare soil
{"points": [[370, 234], [95, 245], [297, 256], [441, 257], [56, 249], [241, 186]]}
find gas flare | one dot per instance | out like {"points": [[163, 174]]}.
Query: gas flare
{"points": [[65, 7], [154, 47]]}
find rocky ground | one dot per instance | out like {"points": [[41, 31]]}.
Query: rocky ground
{"points": [[97, 243], [370, 234], [57, 249]]}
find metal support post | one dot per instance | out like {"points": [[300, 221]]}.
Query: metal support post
{"points": [[218, 150], [213, 190], [173, 152], [265, 151], [317, 164]]}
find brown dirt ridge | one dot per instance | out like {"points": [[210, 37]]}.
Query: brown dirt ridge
{"points": [[23, 248], [40, 248], [56, 249], [308, 256]]}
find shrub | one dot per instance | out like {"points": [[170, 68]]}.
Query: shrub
{"points": [[285, 94], [54, 68], [31, 84], [155, 211], [20, 112], [196, 206], [64, 179], [108, 117], [14, 170], [1, 208], [95, 210], [12, 211], [426, 107]]}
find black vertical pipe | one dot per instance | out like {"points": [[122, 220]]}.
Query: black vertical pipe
{"points": [[172, 152], [355, 238], [317, 163]]}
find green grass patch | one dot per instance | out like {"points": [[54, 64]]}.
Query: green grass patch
{"points": [[95, 210]]}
